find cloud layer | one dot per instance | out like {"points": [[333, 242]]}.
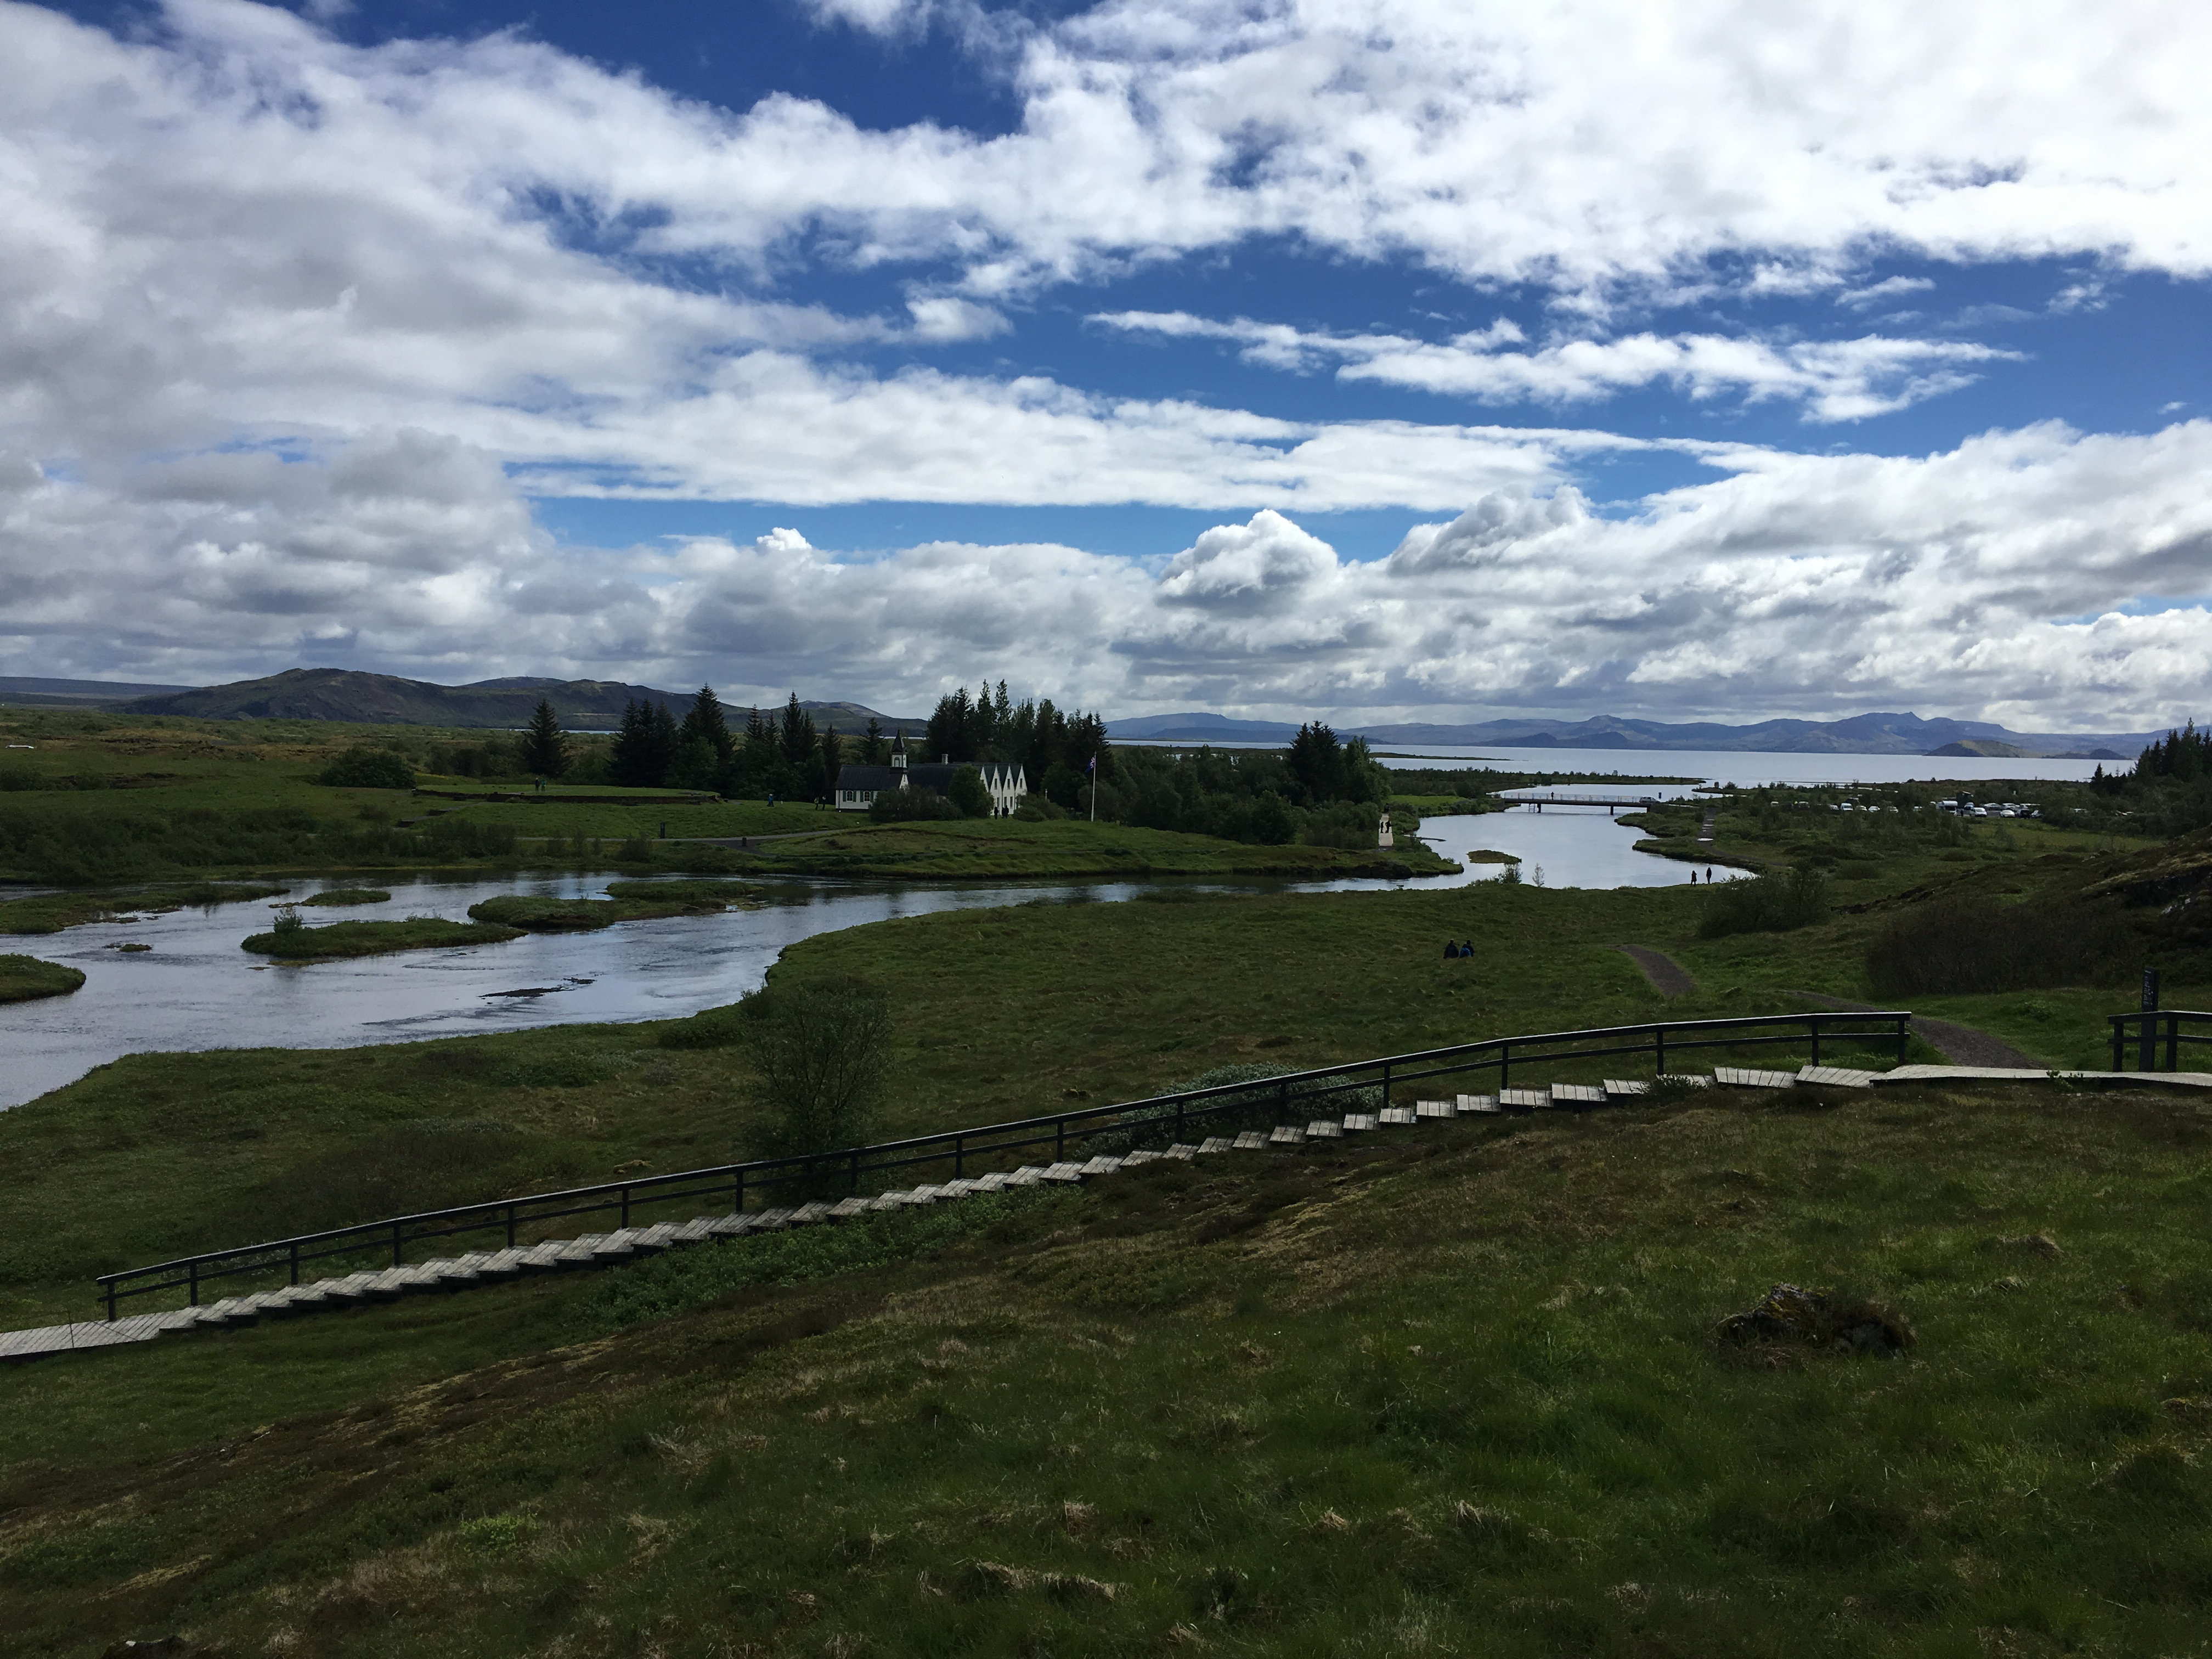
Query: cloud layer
{"points": [[290, 330], [1981, 579]]}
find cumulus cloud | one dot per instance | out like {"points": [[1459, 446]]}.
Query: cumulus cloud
{"points": [[2035, 576], [1831, 379]]}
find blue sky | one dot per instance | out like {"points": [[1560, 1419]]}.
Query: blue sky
{"points": [[1397, 359]]}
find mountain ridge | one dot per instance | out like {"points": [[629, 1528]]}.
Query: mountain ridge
{"points": [[1873, 733], [505, 703]]}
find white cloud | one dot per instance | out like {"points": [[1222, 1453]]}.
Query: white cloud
{"points": [[1881, 293], [2039, 577], [1831, 379]]}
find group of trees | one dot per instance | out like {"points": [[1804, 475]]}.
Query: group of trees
{"points": [[1320, 791], [2167, 791], [1053, 747]]}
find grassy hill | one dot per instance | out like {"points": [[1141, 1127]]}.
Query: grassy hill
{"points": [[336, 694]]}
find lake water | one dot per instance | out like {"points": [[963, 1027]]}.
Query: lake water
{"points": [[196, 989], [1747, 768]]}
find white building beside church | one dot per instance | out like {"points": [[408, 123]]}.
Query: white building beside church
{"points": [[858, 786]]}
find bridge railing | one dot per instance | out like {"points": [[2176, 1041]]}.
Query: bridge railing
{"points": [[2154, 1029], [953, 1153]]}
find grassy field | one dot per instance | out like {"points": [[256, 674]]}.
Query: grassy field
{"points": [[1461, 1394], [1456, 1392], [1013, 848], [375, 938], [122, 798], [25, 979]]}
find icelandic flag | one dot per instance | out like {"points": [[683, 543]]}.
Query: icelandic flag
{"points": [[1093, 766]]}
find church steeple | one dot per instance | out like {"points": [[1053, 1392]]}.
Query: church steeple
{"points": [[898, 751]]}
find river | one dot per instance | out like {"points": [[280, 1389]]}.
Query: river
{"points": [[195, 989]]}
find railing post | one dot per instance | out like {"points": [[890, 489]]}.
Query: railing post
{"points": [[1282, 1100], [2119, 1046], [739, 1207], [2146, 1051], [295, 1262], [510, 1227], [959, 1156], [395, 1244], [1903, 1037], [1658, 1051], [1386, 1086], [1505, 1065], [856, 1169], [625, 1205], [1179, 1116], [2173, 1042], [1816, 1022], [110, 1302], [1060, 1140], [192, 1285]]}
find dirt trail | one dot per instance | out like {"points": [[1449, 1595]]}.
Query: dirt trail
{"points": [[1667, 976], [1961, 1045]]}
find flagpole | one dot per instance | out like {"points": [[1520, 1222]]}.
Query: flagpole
{"points": [[1093, 770]]}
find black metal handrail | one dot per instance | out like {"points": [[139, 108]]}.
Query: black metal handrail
{"points": [[2148, 1025], [1169, 1115]]}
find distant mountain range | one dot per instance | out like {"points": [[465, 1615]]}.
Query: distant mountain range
{"points": [[339, 694], [1862, 734]]}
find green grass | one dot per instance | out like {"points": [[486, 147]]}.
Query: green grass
{"points": [[999, 1014], [24, 978], [1456, 1393], [373, 939], [348, 895], [1014, 849], [628, 900]]}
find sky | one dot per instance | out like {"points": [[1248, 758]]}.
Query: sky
{"points": [[1363, 359]]}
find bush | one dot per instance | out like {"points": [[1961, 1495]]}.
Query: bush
{"points": [[1772, 903], [1039, 809], [901, 806], [15, 775], [970, 794], [1962, 945], [818, 1054], [1347, 824], [359, 768]]}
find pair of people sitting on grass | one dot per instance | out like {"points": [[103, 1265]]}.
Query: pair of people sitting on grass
{"points": [[1452, 950]]}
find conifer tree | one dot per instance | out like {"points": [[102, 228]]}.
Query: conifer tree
{"points": [[797, 735], [707, 723], [833, 760], [629, 763], [545, 746]]}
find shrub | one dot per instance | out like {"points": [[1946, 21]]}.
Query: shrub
{"points": [[18, 776], [969, 794], [818, 1054], [1772, 903], [289, 920], [361, 767], [1962, 945], [899, 805], [1343, 824]]}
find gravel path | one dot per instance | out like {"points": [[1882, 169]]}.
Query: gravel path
{"points": [[1962, 1045], [1667, 976]]}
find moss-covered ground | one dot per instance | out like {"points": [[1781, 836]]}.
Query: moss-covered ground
{"points": [[25, 979], [374, 938]]}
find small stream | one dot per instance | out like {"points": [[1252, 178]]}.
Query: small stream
{"points": [[195, 989]]}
